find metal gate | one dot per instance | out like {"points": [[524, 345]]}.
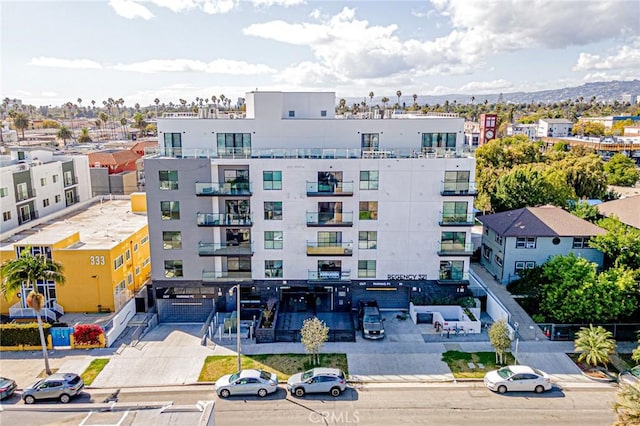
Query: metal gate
{"points": [[387, 297], [184, 310], [61, 336]]}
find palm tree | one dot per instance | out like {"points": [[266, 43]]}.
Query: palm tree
{"points": [[157, 102], [21, 122], [26, 271], [138, 121], [415, 99], [84, 136], [627, 406], [595, 345], [398, 94], [123, 123], [105, 120], [64, 133], [370, 99]]}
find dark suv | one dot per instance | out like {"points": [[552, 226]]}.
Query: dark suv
{"points": [[370, 320]]}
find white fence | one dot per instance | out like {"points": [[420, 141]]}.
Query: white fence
{"points": [[451, 317], [120, 320]]}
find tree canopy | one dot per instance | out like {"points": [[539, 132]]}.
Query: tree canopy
{"points": [[620, 244], [621, 170]]}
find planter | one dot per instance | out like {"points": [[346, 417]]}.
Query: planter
{"points": [[267, 335]]}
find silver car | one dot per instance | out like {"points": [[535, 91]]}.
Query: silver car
{"points": [[317, 380], [517, 378], [247, 382], [61, 386]]}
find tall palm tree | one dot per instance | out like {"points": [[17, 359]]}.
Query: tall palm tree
{"points": [[21, 122], [595, 345], [627, 405], [157, 102], [398, 94], [123, 123], [26, 271], [64, 133], [370, 100], [84, 136]]}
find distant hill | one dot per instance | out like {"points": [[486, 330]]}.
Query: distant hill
{"points": [[603, 91]]}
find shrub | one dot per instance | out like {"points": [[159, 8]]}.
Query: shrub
{"points": [[22, 334], [87, 334]]}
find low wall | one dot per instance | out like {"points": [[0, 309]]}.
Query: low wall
{"points": [[448, 316], [119, 321]]}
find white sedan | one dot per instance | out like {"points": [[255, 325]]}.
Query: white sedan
{"points": [[518, 378], [247, 382]]}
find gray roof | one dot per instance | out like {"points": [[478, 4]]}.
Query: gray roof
{"points": [[546, 221], [625, 209], [556, 120]]}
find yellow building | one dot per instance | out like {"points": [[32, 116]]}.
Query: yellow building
{"points": [[105, 253]]}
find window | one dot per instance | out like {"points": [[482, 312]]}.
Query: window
{"points": [[456, 182], [454, 211], [368, 240], [526, 242], [273, 210], [292, 113], [6, 216], [234, 143], [486, 231], [370, 142], [127, 255], [43, 181], [171, 240], [369, 179], [272, 180], [238, 264], [55, 178], [168, 179], [144, 240], [452, 270], [4, 192], [173, 144], [138, 270], [453, 241], [329, 238], [130, 279], [323, 113], [438, 140], [273, 268], [580, 242], [173, 268], [329, 212], [170, 210], [22, 191], [146, 262], [57, 198], [120, 287], [45, 202], [521, 265], [135, 247], [366, 268], [498, 239], [118, 262], [368, 210], [273, 240], [498, 260]]}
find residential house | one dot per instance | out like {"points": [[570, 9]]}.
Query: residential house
{"points": [[114, 171], [554, 128], [626, 209]]}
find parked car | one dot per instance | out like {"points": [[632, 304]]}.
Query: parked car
{"points": [[631, 376], [62, 386], [247, 382], [7, 387], [317, 380], [370, 320], [517, 378]]}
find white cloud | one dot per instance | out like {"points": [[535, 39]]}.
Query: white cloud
{"points": [[219, 66], [284, 3], [43, 61], [130, 9], [624, 57], [493, 86]]}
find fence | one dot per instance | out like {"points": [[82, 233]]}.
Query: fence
{"points": [[621, 332], [334, 336]]}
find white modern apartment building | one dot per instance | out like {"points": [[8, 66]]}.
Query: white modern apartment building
{"points": [[554, 127], [287, 199], [36, 182]]}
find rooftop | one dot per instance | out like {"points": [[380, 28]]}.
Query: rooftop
{"points": [[626, 209]]}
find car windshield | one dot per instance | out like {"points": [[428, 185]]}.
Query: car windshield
{"points": [[265, 375], [371, 318], [505, 373], [307, 374], [234, 377]]}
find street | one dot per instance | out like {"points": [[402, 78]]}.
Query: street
{"points": [[454, 404]]}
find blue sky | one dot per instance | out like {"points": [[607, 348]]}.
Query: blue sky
{"points": [[53, 52]]}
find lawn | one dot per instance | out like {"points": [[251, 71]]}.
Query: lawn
{"points": [[459, 363], [284, 365], [93, 370]]}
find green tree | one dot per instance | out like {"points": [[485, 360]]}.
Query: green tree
{"points": [[314, 334], [84, 136], [585, 173], [595, 344], [621, 170], [139, 122], [620, 244], [64, 133], [500, 339], [627, 405], [21, 122], [584, 210], [26, 271]]}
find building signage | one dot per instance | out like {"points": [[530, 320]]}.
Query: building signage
{"points": [[407, 277]]}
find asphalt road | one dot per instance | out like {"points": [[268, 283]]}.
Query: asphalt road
{"points": [[455, 404]]}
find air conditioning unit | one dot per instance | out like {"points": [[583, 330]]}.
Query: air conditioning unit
{"points": [[97, 164]]}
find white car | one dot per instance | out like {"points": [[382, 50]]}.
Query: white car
{"points": [[247, 382], [517, 378]]}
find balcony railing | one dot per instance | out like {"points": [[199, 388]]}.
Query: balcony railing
{"points": [[25, 195], [458, 188], [329, 249], [17, 311], [456, 219], [455, 249], [225, 249], [222, 189], [321, 189], [224, 219], [215, 276], [344, 275], [454, 277], [70, 181], [329, 219]]}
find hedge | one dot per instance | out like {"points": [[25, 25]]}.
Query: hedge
{"points": [[22, 334]]}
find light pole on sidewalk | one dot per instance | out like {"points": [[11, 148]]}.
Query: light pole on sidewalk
{"points": [[237, 287]]}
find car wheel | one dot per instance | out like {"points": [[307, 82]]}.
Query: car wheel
{"points": [[539, 389], [262, 393], [64, 398], [29, 399], [299, 392], [502, 389], [224, 393], [335, 391]]}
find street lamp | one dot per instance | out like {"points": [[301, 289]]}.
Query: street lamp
{"points": [[237, 287]]}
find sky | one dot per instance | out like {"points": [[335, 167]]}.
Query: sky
{"points": [[53, 52]]}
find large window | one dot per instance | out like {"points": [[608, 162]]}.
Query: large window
{"points": [[526, 242], [367, 240], [273, 240], [438, 140], [238, 180], [272, 180], [170, 210], [369, 179], [168, 179], [452, 270], [454, 211], [173, 144], [273, 210], [329, 238], [453, 241], [370, 141], [171, 240], [273, 268], [580, 242], [234, 143], [368, 210], [366, 268], [173, 268]]}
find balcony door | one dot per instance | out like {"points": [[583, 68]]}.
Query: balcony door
{"points": [[329, 212]]}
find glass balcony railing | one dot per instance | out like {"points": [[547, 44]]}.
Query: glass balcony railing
{"points": [[70, 181], [329, 249], [225, 249], [223, 189], [224, 219], [343, 275], [458, 188], [329, 219], [452, 219], [319, 189], [25, 195], [453, 277], [455, 249], [214, 276]]}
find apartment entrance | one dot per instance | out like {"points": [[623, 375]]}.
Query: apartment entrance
{"points": [[307, 299]]}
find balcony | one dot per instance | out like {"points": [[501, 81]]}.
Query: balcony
{"points": [[224, 219], [458, 188], [211, 189], [344, 275], [454, 249], [25, 195], [453, 277], [225, 276], [324, 189], [70, 181], [456, 219], [329, 219], [329, 249], [225, 249], [27, 217]]}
